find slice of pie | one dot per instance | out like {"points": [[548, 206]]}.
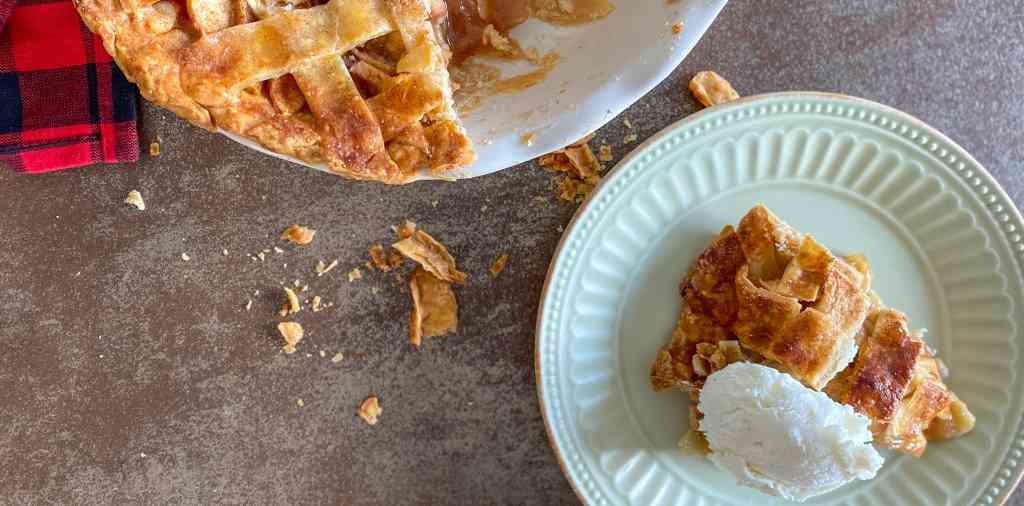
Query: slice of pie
{"points": [[360, 85], [763, 292]]}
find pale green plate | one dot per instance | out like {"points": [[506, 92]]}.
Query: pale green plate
{"points": [[944, 242]]}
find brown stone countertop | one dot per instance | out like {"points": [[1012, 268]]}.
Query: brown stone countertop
{"points": [[130, 376]]}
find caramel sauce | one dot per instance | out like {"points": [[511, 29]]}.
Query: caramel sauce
{"points": [[464, 29]]}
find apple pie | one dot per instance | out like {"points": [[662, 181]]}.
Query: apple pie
{"points": [[762, 292], [359, 85]]}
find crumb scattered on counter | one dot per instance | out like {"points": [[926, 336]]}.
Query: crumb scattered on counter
{"points": [[370, 410], [298, 234], [582, 170], [300, 402], [154, 148], [604, 153], [677, 28], [185, 257], [316, 304], [629, 138], [406, 229], [432, 255], [292, 333], [135, 198], [529, 138], [248, 305], [293, 301], [322, 268], [711, 89], [383, 260], [338, 357], [354, 275], [498, 265], [435, 310]]}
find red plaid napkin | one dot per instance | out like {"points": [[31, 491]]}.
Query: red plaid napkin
{"points": [[63, 102]]}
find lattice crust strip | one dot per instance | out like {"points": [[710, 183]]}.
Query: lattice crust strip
{"points": [[224, 52], [217, 67]]}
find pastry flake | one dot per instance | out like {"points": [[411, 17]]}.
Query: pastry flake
{"points": [[293, 300], [135, 198], [370, 410], [298, 234], [382, 260], [432, 255], [711, 89], [292, 333], [498, 265], [435, 310]]}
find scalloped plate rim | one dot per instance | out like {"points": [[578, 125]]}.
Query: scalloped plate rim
{"points": [[1012, 482]]}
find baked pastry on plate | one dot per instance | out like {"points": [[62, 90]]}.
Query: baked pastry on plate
{"points": [[765, 293], [360, 85]]}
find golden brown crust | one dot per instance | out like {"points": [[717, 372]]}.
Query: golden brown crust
{"points": [[768, 243], [880, 376], [214, 64]]}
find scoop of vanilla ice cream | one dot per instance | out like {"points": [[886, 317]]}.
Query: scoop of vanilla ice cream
{"points": [[780, 437]]}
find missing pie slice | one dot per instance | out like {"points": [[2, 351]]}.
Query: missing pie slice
{"points": [[765, 293]]}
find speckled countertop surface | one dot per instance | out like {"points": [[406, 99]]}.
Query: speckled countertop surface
{"points": [[129, 376]]}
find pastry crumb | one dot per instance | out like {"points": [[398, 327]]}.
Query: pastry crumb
{"points": [[248, 305], [298, 234], [629, 139], [628, 124], [338, 357], [323, 353], [316, 304], [383, 261], [581, 168], [677, 28], [498, 265], [604, 153], [492, 37], [154, 148], [135, 198], [355, 274], [300, 402], [185, 257], [322, 268], [293, 301], [406, 229], [292, 333], [529, 138], [712, 89], [432, 255], [370, 410], [435, 310]]}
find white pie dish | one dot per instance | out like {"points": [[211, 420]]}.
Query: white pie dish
{"points": [[598, 77]]}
